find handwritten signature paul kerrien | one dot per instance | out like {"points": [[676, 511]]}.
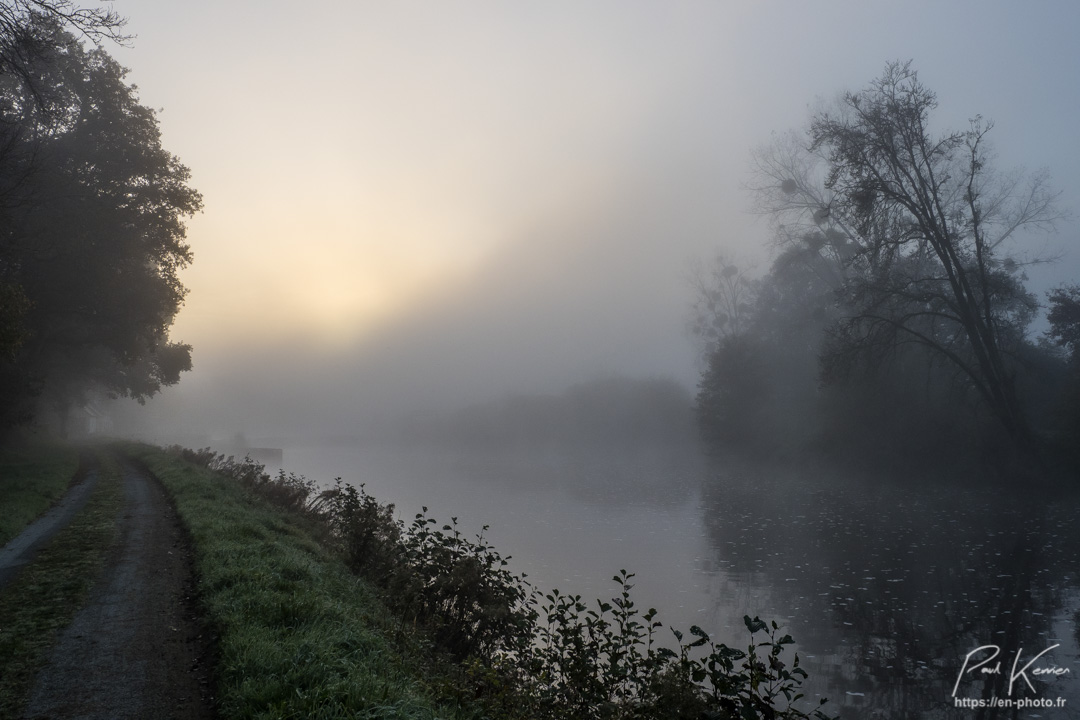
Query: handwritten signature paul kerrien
{"points": [[985, 668]]}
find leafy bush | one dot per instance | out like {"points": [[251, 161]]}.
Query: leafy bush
{"points": [[461, 590], [366, 531], [606, 663]]}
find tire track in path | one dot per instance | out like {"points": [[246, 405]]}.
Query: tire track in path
{"points": [[136, 650]]}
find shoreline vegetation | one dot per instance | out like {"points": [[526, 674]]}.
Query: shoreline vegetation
{"points": [[325, 606]]}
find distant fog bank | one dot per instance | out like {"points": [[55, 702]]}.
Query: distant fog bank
{"points": [[604, 412]]}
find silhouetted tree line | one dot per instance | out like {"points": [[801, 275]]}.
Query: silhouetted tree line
{"points": [[92, 213], [894, 319]]}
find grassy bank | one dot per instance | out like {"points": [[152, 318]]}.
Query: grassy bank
{"points": [[299, 635], [32, 478], [44, 597]]}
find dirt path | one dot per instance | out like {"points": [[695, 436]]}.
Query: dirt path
{"points": [[136, 650]]}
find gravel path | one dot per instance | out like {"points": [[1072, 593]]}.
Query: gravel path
{"points": [[136, 650]]}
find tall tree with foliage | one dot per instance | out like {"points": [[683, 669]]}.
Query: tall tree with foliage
{"points": [[25, 40], [95, 235], [898, 281], [924, 220], [931, 216]]}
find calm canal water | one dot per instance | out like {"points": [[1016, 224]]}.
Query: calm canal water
{"points": [[888, 588]]}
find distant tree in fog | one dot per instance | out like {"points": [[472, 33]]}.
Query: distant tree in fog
{"points": [[893, 276], [94, 233], [1064, 318], [759, 386], [930, 217], [723, 301], [733, 396]]}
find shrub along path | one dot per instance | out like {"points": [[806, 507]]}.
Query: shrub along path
{"points": [[137, 648]]}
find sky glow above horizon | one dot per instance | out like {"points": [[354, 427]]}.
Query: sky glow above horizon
{"points": [[386, 181]]}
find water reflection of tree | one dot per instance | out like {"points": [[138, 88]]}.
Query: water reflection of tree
{"points": [[892, 585]]}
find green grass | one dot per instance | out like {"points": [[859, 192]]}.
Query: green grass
{"points": [[32, 478], [299, 636], [44, 597]]}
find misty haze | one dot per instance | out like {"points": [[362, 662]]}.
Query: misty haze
{"points": [[763, 316]]}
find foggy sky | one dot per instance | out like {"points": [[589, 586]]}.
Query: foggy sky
{"points": [[430, 203]]}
